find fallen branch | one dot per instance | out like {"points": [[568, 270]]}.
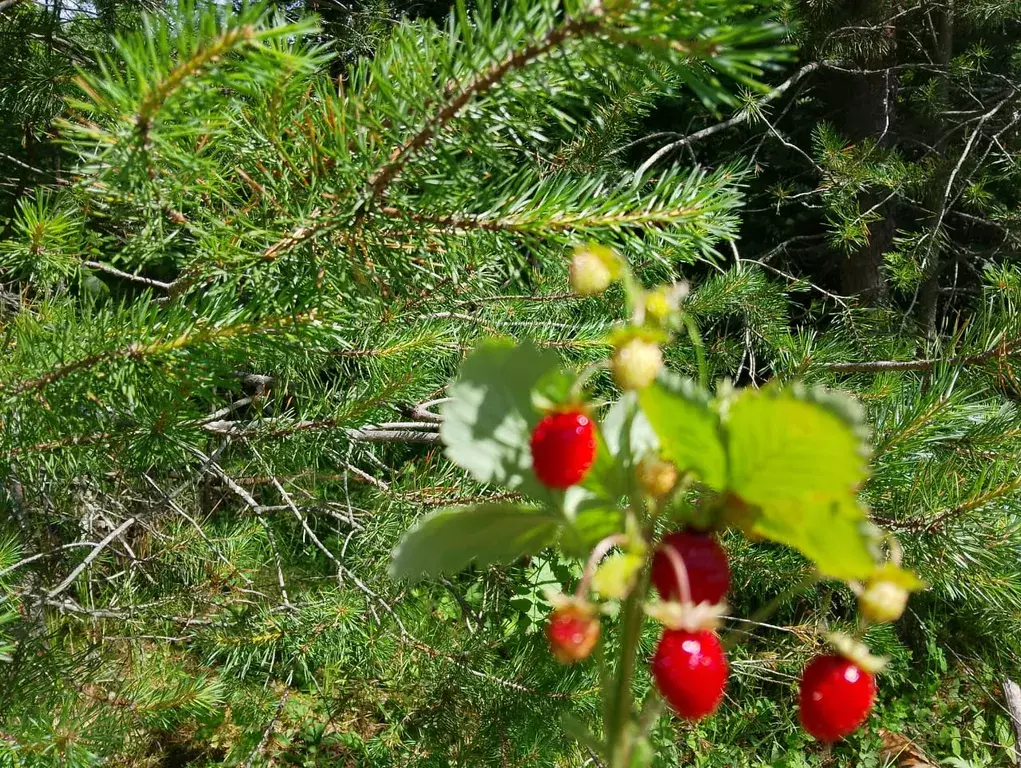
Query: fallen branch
{"points": [[90, 557]]}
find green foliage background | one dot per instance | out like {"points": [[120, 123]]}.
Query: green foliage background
{"points": [[224, 297]]}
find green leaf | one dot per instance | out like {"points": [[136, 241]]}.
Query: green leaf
{"points": [[591, 517], [450, 539], [487, 423], [799, 456], [795, 444], [608, 476], [643, 438], [687, 427], [832, 534]]}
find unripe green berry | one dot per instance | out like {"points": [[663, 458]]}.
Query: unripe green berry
{"points": [[636, 363], [658, 304]]}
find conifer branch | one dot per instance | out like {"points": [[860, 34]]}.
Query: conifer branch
{"points": [[128, 275], [481, 84], [742, 116], [90, 557], [138, 351], [942, 518], [1004, 349], [215, 50]]}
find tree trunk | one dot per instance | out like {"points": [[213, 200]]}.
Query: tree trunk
{"points": [[864, 109], [928, 292]]}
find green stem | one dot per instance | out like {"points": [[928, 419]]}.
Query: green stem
{"points": [[696, 342], [621, 708]]}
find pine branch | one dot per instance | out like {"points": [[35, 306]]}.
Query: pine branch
{"points": [[482, 83], [216, 49], [264, 740], [138, 351], [128, 275], [90, 557], [740, 117], [1004, 349]]}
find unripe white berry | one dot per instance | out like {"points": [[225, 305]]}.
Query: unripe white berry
{"points": [[636, 364], [656, 476], [883, 601], [592, 270]]}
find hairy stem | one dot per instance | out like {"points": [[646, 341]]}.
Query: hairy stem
{"points": [[621, 708]]}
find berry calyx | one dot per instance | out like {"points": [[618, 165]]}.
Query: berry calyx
{"points": [[572, 631], [883, 601], [705, 563], [656, 476], [593, 268], [563, 448], [690, 670], [836, 697], [636, 363]]}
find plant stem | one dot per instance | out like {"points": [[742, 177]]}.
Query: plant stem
{"points": [[621, 708]]}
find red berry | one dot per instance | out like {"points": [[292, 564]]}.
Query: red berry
{"points": [[690, 671], [705, 562], [563, 448], [836, 696], [572, 633]]}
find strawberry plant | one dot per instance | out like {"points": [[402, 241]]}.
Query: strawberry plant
{"points": [[604, 481]]}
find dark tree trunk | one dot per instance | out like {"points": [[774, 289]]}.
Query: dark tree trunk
{"points": [[928, 292], [865, 110]]}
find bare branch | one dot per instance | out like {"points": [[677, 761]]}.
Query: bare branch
{"points": [[90, 557], [128, 275], [272, 723], [742, 116]]}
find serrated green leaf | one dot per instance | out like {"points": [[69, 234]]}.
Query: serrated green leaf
{"points": [[687, 428], [487, 423], [449, 540], [793, 444], [829, 533], [799, 457], [607, 477]]}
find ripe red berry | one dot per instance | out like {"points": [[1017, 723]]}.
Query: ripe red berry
{"points": [[572, 633], [690, 671], [836, 696], [563, 448], [705, 562]]}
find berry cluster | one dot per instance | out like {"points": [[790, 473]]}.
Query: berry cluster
{"points": [[690, 572], [687, 567]]}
